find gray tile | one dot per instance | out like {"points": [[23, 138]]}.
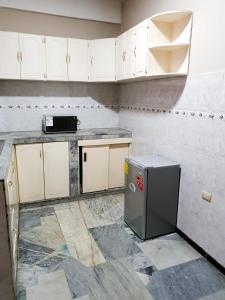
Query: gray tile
{"points": [[33, 254], [31, 218], [114, 242], [168, 251], [113, 280], [220, 295], [188, 281]]}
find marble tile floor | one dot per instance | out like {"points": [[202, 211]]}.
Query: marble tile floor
{"points": [[83, 250]]}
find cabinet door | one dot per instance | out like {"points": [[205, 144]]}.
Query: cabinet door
{"points": [[30, 172], [56, 169], [129, 54], [56, 58], [9, 55], [77, 60], [119, 57], [102, 60], [32, 48], [95, 168], [117, 155], [141, 48]]}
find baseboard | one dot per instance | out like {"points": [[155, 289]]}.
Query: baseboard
{"points": [[201, 251]]}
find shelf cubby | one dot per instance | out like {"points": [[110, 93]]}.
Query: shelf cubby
{"points": [[169, 43], [170, 27], [169, 60]]}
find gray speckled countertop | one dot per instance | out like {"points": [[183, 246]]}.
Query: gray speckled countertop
{"points": [[28, 137]]}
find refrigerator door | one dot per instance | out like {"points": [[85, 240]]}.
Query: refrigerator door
{"points": [[135, 198]]}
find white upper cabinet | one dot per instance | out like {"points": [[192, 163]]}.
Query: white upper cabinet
{"points": [[129, 54], [56, 58], [77, 60], [119, 57], [155, 48], [125, 55], [33, 65], [9, 55], [141, 48], [102, 59]]}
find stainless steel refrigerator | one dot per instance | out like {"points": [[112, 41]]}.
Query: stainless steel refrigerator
{"points": [[151, 195]]}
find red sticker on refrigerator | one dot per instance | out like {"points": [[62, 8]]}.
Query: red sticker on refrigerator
{"points": [[140, 183]]}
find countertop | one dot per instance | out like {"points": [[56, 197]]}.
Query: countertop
{"points": [[28, 137]]}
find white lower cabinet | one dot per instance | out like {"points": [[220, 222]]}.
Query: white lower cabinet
{"points": [[95, 168], [30, 172], [56, 169], [103, 167], [117, 155], [43, 171]]}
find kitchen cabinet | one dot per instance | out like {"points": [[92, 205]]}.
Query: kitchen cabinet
{"points": [[103, 163], [125, 55], [117, 155], [56, 58], [43, 171], [33, 64], [119, 57], [155, 48], [30, 172], [9, 55], [141, 49], [102, 59], [129, 54], [77, 60], [56, 169], [95, 168]]}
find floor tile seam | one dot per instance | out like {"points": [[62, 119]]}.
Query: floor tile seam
{"points": [[56, 254], [90, 236]]}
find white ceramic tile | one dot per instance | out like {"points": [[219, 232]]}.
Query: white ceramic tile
{"points": [[165, 253]]}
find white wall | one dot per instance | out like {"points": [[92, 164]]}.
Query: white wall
{"points": [[98, 10], [45, 24], [195, 141], [23, 103], [180, 126], [208, 44]]}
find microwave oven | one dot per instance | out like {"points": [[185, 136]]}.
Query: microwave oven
{"points": [[57, 124]]}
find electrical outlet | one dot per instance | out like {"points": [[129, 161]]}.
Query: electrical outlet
{"points": [[206, 196]]}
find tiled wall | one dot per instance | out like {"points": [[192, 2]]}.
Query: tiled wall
{"points": [[185, 120], [23, 103]]}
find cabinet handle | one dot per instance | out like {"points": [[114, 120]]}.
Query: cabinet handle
{"points": [[135, 51], [18, 55], [40, 154], [69, 59], [10, 183], [92, 60], [21, 55], [85, 156], [45, 76]]}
